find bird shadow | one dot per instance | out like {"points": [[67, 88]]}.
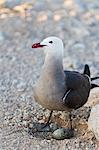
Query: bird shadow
{"points": [[39, 131], [46, 132]]}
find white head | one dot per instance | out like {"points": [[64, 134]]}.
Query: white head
{"points": [[52, 45]]}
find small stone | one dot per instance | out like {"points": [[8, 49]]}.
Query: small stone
{"points": [[93, 122], [21, 86], [61, 134], [68, 3], [26, 116], [25, 123], [72, 13], [19, 124], [57, 17], [41, 121], [3, 16], [42, 17], [31, 125]]}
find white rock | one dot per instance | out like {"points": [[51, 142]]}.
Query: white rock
{"points": [[93, 122]]}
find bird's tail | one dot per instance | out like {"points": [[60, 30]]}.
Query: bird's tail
{"points": [[87, 72]]}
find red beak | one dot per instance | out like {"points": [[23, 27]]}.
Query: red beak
{"points": [[37, 45]]}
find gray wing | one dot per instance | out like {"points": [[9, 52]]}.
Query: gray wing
{"points": [[78, 86]]}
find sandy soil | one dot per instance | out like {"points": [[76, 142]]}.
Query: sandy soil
{"points": [[21, 24]]}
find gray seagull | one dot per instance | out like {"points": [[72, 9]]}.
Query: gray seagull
{"points": [[57, 89]]}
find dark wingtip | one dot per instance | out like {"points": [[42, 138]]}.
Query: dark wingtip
{"points": [[86, 70], [94, 78], [94, 86]]}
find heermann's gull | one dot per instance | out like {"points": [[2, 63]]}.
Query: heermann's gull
{"points": [[57, 89]]}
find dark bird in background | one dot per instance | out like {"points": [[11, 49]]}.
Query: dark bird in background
{"points": [[57, 89]]}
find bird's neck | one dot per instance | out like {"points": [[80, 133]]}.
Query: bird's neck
{"points": [[53, 66]]}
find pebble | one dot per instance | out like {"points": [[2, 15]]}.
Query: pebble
{"points": [[21, 85], [26, 116], [63, 18], [42, 17], [31, 125], [25, 123], [61, 134]]}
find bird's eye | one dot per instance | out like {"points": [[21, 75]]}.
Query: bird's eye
{"points": [[51, 42]]}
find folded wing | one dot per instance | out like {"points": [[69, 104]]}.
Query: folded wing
{"points": [[78, 89]]}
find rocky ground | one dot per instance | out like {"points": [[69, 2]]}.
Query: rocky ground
{"points": [[21, 24]]}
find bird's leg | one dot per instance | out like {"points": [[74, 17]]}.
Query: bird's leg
{"points": [[47, 123], [69, 131], [41, 128]]}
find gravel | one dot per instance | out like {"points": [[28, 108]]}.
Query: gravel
{"points": [[21, 24]]}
